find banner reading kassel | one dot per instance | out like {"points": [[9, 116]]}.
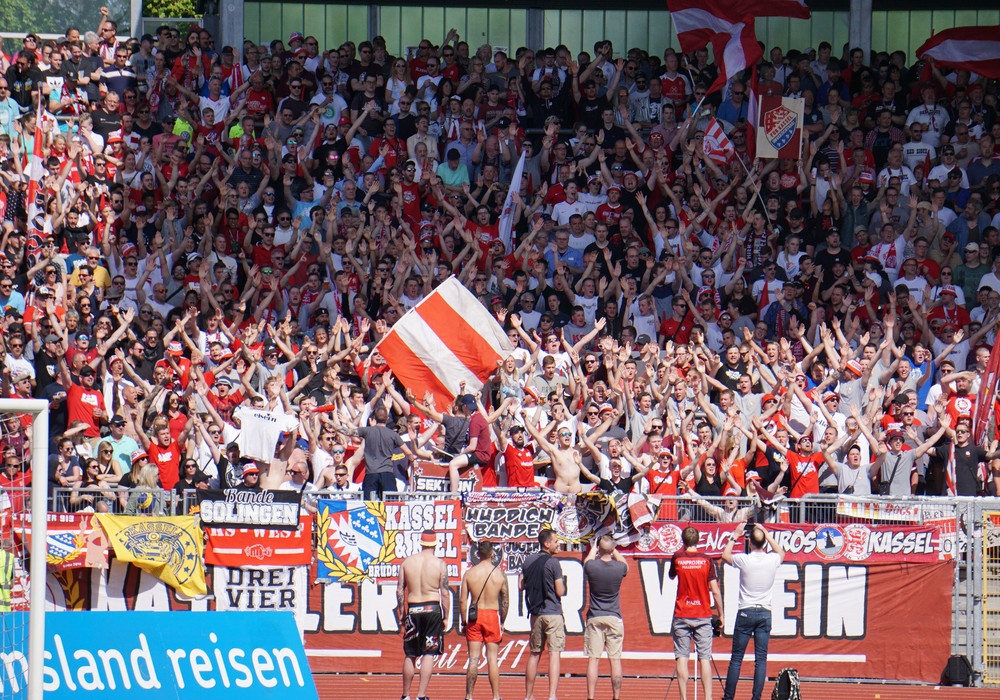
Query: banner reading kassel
{"points": [[277, 510], [830, 618]]}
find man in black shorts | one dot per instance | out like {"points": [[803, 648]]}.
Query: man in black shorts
{"points": [[423, 600]]}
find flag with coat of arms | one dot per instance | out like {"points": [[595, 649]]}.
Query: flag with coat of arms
{"points": [[779, 127]]}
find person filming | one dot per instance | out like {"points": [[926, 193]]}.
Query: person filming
{"points": [[757, 571]]}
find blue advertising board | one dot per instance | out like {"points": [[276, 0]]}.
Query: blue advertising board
{"points": [[161, 656]]}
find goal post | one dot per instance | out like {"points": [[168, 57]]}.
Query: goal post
{"points": [[39, 505]]}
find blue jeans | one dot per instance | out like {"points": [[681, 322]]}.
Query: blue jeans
{"points": [[750, 622]]}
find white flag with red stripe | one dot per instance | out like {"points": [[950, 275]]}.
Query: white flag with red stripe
{"points": [[975, 49], [731, 33], [717, 145], [447, 339], [506, 221]]}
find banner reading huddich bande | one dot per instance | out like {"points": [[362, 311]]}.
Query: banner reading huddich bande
{"points": [[779, 127]]}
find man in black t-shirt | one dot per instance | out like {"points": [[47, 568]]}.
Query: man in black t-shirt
{"points": [[543, 585]]}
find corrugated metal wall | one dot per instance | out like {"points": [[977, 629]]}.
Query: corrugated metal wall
{"points": [[404, 26]]}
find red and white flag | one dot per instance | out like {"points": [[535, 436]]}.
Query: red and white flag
{"points": [[774, 8], [39, 225], [779, 127], [975, 49], [445, 340], [729, 31], [987, 395], [717, 145]]}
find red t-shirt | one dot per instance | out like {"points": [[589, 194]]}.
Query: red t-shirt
{"points": [[479, 428], [804, 473], [520, 466], [693, 571], [678, 331], [80, 404], [168, 461]]}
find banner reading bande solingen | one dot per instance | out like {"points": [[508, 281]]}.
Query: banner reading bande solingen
{"points": [[277, 510]]}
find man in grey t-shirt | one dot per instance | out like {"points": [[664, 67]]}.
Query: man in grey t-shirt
{"points": [[380, 445], [544, 586], [604, 568], [897, 473]]}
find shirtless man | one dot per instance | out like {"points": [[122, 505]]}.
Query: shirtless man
{"points": [[566, 460], [423, 602], [485, 584]]}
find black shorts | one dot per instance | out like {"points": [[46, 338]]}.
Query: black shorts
{"points": [[423, 630], [476, 461]]}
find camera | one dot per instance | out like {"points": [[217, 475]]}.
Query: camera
{"points": [[716, 626]]}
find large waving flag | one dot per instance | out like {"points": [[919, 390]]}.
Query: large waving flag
{"points": [[731, 33], [445, 340], [975, 49], [506, 222], [773, 8], [987, 395], [170, 548]]}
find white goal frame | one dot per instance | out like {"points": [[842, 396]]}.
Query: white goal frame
{"points": [[39, 409]]}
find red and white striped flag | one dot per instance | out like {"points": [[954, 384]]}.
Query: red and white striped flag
{"points": [[39, 229], [447, 339], [975, 49], [774, 8], [731, 33], [717, 145]]}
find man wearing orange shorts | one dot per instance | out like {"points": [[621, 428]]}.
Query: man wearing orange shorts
{"points": [[484, 588]]}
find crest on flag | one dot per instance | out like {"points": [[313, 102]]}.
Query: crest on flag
{"points": [[352, 537], [779, 126]]}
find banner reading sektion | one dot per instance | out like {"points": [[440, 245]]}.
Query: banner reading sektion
{"points": [[855, 542], [367, 541], [258, 546], [278, 510], [433, 477]]}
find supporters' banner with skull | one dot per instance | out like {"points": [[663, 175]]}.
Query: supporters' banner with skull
{"points": [[73, 540], [275, 510], [368, 541], [236, 547], [779, 127]]}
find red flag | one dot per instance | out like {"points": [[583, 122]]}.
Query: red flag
{"points": [[975, 49], [717, 145], [987, 392]]}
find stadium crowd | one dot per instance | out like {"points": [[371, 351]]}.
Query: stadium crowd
{"points": [[221, 241]]}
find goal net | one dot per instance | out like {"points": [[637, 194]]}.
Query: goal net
{"points": [[24, 435]]}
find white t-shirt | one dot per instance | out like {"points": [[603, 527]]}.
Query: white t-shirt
{"points": [[757, 571], [260, 431]]}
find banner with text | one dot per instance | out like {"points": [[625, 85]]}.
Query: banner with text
{"points": [[160, 656], [277, 510], [830, 619], [254, 547], [853, 542], [367, 541]]}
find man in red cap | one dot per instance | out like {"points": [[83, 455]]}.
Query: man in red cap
{"points": [[423, 601]]}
